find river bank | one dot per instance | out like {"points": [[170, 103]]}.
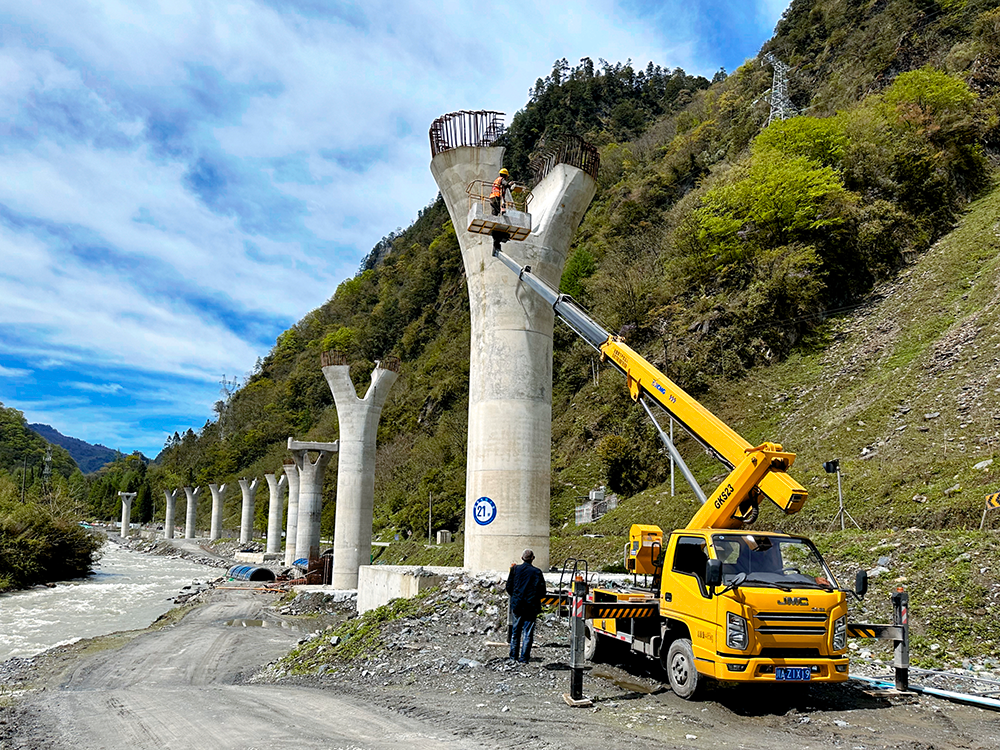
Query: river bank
{"points": [[126, 590]]}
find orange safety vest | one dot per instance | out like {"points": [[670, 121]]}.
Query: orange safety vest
{"points": [[497, 191]]}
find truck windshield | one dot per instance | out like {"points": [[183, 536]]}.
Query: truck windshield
{"points": [[783, 562]]}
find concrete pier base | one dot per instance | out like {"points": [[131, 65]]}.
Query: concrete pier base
{"points": [[127, 498], [249, 490], [292, 523], [358, 417], [274, 512], [380, 584], [168, 520], [217, 497], [510, 378], [311, 475], [192, 493]]}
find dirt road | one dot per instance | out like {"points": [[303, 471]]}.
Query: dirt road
{"points": [[174, 688], [183, 686]]}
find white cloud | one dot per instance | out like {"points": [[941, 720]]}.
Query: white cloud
{"points": [[13, 372], [95, 387]]}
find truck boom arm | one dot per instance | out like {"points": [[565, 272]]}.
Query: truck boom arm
{"points": [[763, 466]]}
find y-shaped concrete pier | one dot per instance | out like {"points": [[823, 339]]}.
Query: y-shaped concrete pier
{"points": [[274, 512], [168, 521], [292, 522], [311, 475], [510, 379], [192, 493], [217, 495], [246, 519], [127, 498], [358, 418]]}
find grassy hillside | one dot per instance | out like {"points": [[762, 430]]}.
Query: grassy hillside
{"points": [[741, 260]]}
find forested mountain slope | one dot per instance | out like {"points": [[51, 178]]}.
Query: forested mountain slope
{"points": [[736, 257], [88, 457]]}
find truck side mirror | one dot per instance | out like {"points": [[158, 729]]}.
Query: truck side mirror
{"points": [[713, 573], [861, 583]]}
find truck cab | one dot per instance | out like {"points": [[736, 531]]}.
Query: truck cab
{"points": [[741, 607]]}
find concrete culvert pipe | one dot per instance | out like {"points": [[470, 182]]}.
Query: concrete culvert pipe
{"points": [[250, 573]]}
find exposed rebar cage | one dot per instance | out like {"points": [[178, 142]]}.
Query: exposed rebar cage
{"points": [[332, 358], [566, 149], [465, 128], [388, 363]]}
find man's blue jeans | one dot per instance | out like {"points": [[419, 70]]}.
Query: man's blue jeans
{"points": [[522, 636]]}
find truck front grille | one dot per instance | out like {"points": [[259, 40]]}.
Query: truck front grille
{"points": [[790, 623]]}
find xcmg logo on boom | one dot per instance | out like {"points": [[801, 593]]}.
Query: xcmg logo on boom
{"points": [[660, 388], [795, 601]]}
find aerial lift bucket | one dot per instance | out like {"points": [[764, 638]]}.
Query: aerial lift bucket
{"points": [[515, 221]]}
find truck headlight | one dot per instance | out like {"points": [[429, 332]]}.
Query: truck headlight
{"points": [[840, 633], [736, 632]]}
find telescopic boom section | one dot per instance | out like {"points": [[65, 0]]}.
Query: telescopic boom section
{"points": [[761, 467]]}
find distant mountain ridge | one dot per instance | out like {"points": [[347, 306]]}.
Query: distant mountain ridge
{"points": [[88, 457]]}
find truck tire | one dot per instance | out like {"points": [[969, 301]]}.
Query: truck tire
{"points": [[594, 646], [684, 678]]}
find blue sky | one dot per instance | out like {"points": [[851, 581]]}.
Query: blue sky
{"points": [[182, 181]]}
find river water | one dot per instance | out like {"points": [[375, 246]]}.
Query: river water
{"points": [[128, 590]]}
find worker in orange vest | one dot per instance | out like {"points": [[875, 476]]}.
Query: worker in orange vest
{"points": [[501, 186]]}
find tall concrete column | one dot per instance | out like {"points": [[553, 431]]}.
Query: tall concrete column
{"points": [[358, 417], [246, 520], [168, 521], [274, 508], [218, 491], [193, 493], [507, 488], [127, 498], [292, 523], [311, 474]]}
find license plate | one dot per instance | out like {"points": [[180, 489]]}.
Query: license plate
{"points": [[792, 673]]}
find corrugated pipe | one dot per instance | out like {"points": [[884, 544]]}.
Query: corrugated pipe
{"points": [[250, 573]]}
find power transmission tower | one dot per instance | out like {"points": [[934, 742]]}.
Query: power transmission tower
{"points": [[781, 104], [47, 472]]}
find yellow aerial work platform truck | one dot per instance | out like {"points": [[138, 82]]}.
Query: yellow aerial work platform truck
{"points": [[718, 599]]}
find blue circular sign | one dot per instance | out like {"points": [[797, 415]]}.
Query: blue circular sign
{"points": [[484, 511]]}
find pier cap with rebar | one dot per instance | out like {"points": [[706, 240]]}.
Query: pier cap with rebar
{"points": [[466, 128]]}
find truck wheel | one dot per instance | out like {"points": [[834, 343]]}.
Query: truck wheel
{"points": [[684, 678], [593, 648]]}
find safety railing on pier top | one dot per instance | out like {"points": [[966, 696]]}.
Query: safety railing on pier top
{"points": [[465, 128], [565, 149]]}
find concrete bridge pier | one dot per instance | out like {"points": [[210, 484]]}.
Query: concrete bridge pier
{"points": [[274, 511], [192, 493], [249, 490], [311, 474], [168, 521], [510, 378], [127, 498], [358, 417], [292, 522], [218, 491]]}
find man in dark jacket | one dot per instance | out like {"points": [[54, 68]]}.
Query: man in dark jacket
{"points": [[526, 587]]}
